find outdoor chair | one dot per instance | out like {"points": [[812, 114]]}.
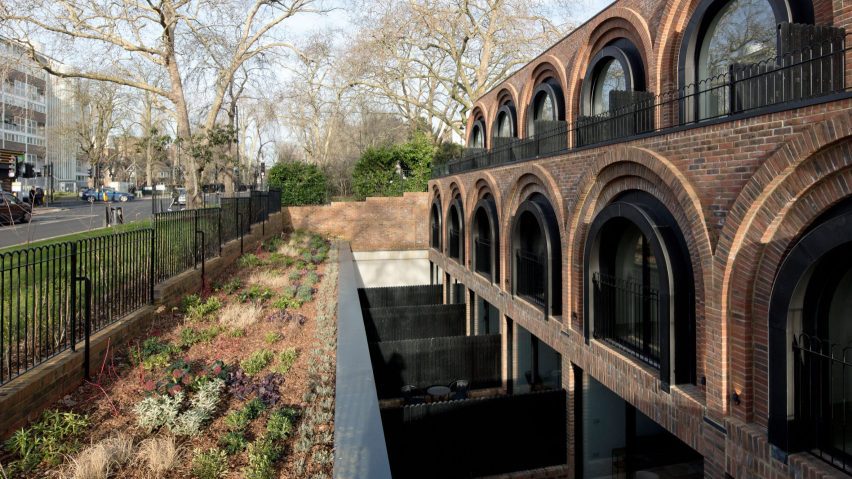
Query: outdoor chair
{"points": [[459, 389]]}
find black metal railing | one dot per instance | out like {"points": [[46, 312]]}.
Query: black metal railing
{"points": [[435, 241], [52, 297], [531, 277], [823, 399], [482, 260], [790, 79], [454, 246], [627, 315]]}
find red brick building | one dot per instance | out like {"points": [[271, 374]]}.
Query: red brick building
{"points": [[657, 214]]}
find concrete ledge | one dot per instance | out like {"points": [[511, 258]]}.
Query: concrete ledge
{"points": [[25, 397], [359, 438]]}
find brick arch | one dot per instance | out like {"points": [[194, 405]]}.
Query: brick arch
{"points": [[479, 112], [533, 179], [778, 216], [546, 66], [612, 23], [613, 179], [484, 183]]}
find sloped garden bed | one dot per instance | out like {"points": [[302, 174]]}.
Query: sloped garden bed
{"points": [[238, 382]]}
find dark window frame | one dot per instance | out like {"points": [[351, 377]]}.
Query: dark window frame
{"points": [[542, 211], [487, 205], [436, 217], [456, 207], [627, 55], [551, 88], [479, 124], [509, 110], [668, 245]]}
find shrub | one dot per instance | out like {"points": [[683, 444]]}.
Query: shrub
{"points": [[201, 408], [237, 333], [233, 442], [52, 437], [286, 302], [232, 286], [300, 183], [280, 424], [238, 420], [152, 353], [201, 309], [262, 455], [249, 260], [286, 360], [154, 412], [305, 293], [389, 171], [210, 464], [273, 337], [294, 275], [257, 361], [190, 337], [159, 455], [98, 460], [255, 294], [240, 316]]}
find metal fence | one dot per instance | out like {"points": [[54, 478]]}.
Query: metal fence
{"points": [[414, 322], [390, 296], [425, 362], [822, 373], [530, 277], [57, 295], [791, 79], [477, 437], [627, 314]]}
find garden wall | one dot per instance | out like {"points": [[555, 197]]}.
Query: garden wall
{"points": [[376, 224], [23, 399]]}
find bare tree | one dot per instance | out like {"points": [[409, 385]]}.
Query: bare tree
{"points": [[185, 40], [431, 59]]}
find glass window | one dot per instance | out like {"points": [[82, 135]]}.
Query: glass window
{"points": [[611, 78], [476, 137], [504, 126], [544, 108], [742, 32]]}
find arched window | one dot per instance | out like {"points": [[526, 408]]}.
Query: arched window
{"points": [[726, 33], [477, 135], [485, 239], [810, 342], [435, 223], [611, 78], [546, 108], [537, 255], [640, 289], [455, 230], [505, 122]]}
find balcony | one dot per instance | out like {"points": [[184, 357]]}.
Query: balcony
{"points": [[811, 75]]}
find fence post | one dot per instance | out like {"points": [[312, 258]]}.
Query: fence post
{"points": [[73, 278], [195, 239], [87, 285], [203, 242], [240, 227], [250, 217], [732, 98], [151, 276], [219, 226]]}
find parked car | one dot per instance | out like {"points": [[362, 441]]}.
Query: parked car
{"points": [[13, 210], [181, 200], [91, 195]]}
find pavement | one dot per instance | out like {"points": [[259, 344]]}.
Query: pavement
{"points": [[68, 217]]}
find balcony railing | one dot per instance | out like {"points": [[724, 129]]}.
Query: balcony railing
{"points": [[483, 257], [531, 277], [823, 399], [627, 315], [455, 251], [436, 237], [789, 80]]}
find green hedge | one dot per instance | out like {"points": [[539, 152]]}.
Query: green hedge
{"points": [[390, 171], [300, 183]]}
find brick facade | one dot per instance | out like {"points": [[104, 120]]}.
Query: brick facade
{"points": [[742, 191], [377, 224]]}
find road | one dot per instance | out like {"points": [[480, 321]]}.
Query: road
{"points": [[69, 218]]}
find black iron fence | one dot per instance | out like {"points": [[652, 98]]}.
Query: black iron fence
{"points": [[790, 79], [477, 437], [391, 296], [531, 277], [425, 362], [414, 322], [55, 296], [823, 399], [627, 315]]}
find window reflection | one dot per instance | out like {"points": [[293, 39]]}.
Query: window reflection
{"points": [[611, 78]]}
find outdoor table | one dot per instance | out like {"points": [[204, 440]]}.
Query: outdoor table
{"points": [[438, 391]]}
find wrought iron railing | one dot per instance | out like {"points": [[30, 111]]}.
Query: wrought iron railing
{"points": [[823, 399], [55, 296], [627, 315], [790, 79], [435, 241], [482, 260], [455, 245], [531, 277]]}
